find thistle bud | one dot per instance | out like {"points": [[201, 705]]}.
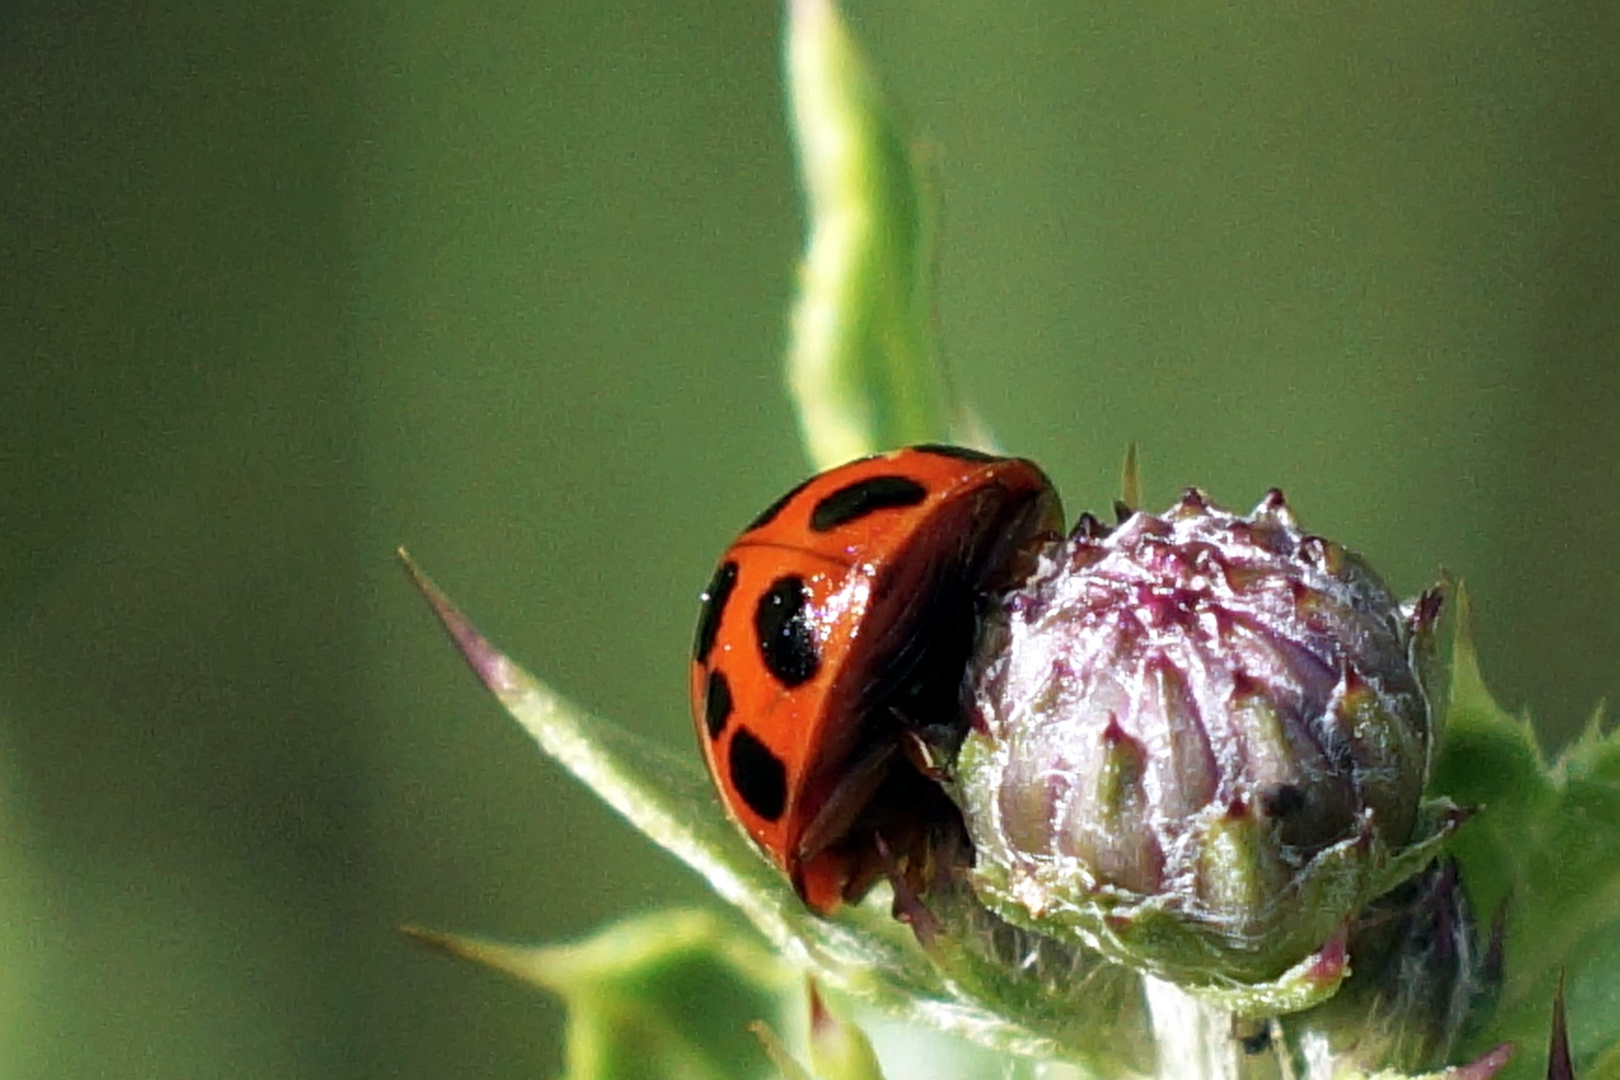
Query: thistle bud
{"points": [[1199, 745]]}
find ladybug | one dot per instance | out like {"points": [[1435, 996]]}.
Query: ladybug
{"points": [[830, 650]]}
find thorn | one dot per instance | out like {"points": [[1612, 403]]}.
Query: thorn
{"points": [[1351, 681], [1466, 680], [1490, 968], [1275, 509], [1333, 958], [1087, 527], [493, 669], [820, 1019], [1593, 732], [433, 939], [1426, 612], [1559, 1067], [1113, 734], [1130, 478]]}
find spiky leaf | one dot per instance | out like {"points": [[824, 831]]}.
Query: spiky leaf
{"points": [[1546, 842]]}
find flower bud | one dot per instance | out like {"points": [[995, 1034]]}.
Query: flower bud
{"points": [[1199, 744]]}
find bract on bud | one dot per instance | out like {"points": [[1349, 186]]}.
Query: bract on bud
{"points": [[1199, 745], [1423, 978]]}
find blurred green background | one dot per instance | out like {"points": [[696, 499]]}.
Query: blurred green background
{"points": [[286, 285]]}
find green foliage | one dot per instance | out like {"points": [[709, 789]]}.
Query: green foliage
{"points": [[862, 364], [1551, 838], [659, 997], [862, 953], [1545, 842], [864, 376], [839, 1050]]}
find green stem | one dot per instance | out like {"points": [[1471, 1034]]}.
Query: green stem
{"points": [[1194, 1037]]}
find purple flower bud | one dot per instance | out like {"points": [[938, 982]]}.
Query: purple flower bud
{"points": [[1199, 743]]}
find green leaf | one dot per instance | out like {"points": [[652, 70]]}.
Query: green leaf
{"points": [[1546, 841], [781, 1057], [839, 1049], [657, 997], [862, 953], [861, 366]]}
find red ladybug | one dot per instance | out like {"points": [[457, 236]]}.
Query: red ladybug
{"points": [[833, 638]]}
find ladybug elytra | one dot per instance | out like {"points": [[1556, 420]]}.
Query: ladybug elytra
{"points": [[831, 646]]}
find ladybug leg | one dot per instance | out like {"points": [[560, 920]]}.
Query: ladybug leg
{"points": [[908, 902], [850, 795]]}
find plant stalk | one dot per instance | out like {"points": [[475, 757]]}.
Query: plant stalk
{"points": [[1193, 1036]]}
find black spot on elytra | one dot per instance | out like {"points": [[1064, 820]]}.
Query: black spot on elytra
{"points": [[785, 640], [768, 515], [716, 704], [961, 453], [863, 497], [714, 605], [757, 776]]}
